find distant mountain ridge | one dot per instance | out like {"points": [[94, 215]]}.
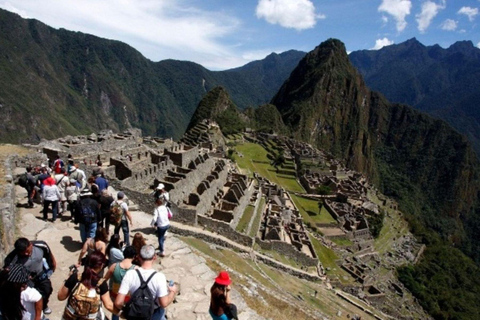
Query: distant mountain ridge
{"points": [[57, 82], [442, 82]]}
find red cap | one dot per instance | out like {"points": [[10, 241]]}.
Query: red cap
{"points": [[223, 278], [49, 181]]}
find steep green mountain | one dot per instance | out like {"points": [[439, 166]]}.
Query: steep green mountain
{"points": [[217, 106], [429, 167], [57, 82], [442, 82]]}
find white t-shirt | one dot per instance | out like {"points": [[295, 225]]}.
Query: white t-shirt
{"points": [[28, 297], [160, 216], [131, 282]]}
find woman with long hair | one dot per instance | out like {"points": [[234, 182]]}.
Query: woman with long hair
{"points": [[99, 243], [90, 279], [221, 307], [17, 300], [138, 242], [114, 250]]}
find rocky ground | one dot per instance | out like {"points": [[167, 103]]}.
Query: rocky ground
{"points": [[180, 264]]}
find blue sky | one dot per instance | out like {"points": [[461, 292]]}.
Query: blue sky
{"points": [[222, 34]]}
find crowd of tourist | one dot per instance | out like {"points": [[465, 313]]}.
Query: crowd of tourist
{"points": [[117, 276]]}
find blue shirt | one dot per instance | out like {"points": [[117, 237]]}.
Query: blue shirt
{"points": [[214, 317], [102, 183]]}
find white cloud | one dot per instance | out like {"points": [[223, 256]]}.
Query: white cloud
{"points": [[384, 19], [399, 9], [449, 25], [159, 29], [429, 11], [478, 45], [380, 43], [294, 14], [469, 12]]}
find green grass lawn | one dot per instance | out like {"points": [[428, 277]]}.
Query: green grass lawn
{"points": [[245, 220], [328, 257], [309, 211], [255, 160]]}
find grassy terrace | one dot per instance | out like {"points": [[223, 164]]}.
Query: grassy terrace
{"points": [[257, 219], [245, 220], [309, 210], [255, 160]]}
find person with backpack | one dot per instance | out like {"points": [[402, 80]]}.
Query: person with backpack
{"points": [[120, 212], [17, 299], [106, 201], [27, 181], [62, 182], [221, 307], [72, 194], [39, 261], [161, 223], [116, 272], [87, 215], [86, 293], [149, 293]]}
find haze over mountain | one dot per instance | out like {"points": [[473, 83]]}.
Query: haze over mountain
{"points": [[442, 82]]}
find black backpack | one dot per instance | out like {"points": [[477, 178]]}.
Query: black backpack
{"points": [[23, 180], [87, 214], [142, 303]]}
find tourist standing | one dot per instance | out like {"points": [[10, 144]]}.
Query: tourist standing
{"points": [[87, 214], [221, 307], [126, 217], [72, 193], [61, 180], [161, 223], [17, 299], [157, 283], [51, 196], [96, 290], [117, 272], [39, 261], [106, 201], [114, 250]]}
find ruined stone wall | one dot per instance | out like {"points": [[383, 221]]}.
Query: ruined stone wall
{"points": [[182, 155], [287, 250], [186, 215], [7, 210], [208, 195], [184, 187], [242, 205], [225, 230]]}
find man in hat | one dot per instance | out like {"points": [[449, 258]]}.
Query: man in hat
{"points": [[39, 261], [87, 214], [78, 176]]}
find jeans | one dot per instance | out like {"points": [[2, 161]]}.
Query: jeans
{"points": [[87, 231], [159, 314], [161, 236], [30, 189], [126, 231], [46, 204]]}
